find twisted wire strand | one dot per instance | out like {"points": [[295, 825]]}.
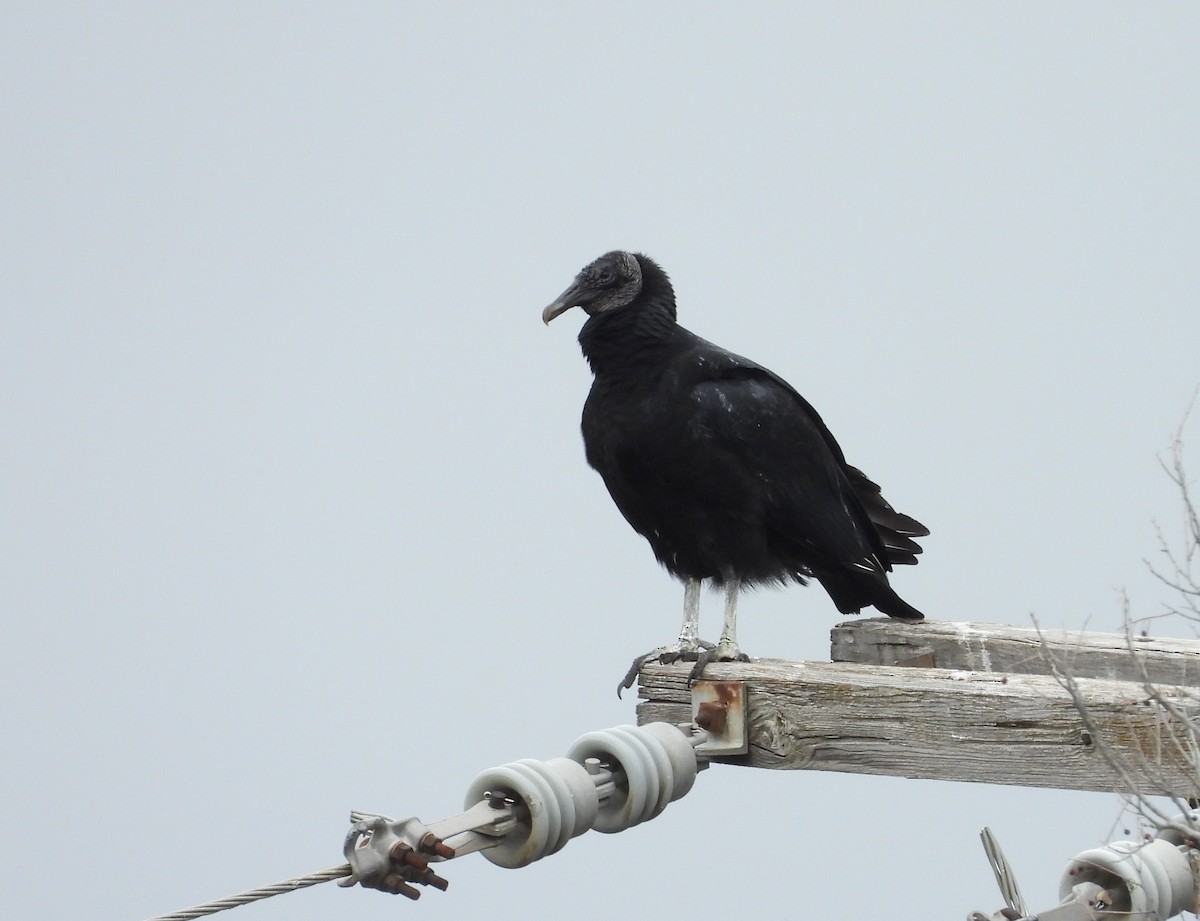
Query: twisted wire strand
{"points": [[254, 895], [1003, 872]]}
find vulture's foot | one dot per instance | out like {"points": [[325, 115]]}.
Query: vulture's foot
{"points": [[728, 651], [722, 652], [676, 652]]}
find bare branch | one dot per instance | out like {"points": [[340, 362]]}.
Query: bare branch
{"points": [[1175, 730]]}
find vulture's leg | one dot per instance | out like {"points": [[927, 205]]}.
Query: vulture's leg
{"points": [[689, 633], [727, 647], [689, 646]]}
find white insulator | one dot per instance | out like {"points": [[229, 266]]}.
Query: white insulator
{"points": [[659, 765], [1151, 877], [528, 839], [1174, 833], [663, 773], [628, 803], [559, 798], [680, 753], [577, 795], [559, 801], [537, 774]]}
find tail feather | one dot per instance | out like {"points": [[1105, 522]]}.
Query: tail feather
{"points": [[853, 589], [893, 605], [901, 550], [895, 529]]}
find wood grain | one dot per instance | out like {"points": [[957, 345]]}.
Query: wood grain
{"points": [[1019, 650], [939, 724]]}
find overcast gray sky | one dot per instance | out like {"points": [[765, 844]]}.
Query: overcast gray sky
{"points": [[295, 512]]}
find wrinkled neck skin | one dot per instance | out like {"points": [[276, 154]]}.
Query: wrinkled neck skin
{"points": [[633, 336]]}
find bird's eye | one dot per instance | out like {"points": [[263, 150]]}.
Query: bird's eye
{"points": [[606, 276]]}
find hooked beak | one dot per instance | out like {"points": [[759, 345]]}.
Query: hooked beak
{"points": [[562, 303]]}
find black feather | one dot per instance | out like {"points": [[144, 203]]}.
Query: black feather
{"points": [[719, 463]]}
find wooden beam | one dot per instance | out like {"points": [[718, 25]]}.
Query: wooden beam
{"points": [[1003, 648], [939, 724]]}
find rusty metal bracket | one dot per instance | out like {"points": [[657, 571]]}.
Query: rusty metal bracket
{"points": [[719, 708]]}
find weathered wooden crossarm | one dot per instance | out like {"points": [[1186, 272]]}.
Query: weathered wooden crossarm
{"points": [[940, 724], [1004, 648]]}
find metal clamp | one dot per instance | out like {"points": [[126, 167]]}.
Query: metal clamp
{"points": [[391, 856]]}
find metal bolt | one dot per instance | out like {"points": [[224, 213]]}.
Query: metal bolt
{"points": [[427, 877], [432, 844], [397, 886], [710, 716], [404, 855]]}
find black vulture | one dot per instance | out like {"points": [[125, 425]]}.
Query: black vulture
{"points": [[720, 464]]}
